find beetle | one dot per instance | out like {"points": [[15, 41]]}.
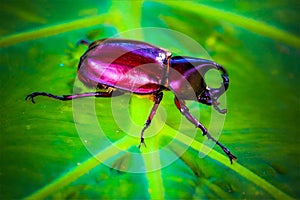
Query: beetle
{"points": [[116, 66]]}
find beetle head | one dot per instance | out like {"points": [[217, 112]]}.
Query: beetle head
{"points": [[210, 97]]}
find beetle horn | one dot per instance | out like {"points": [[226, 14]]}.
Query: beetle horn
{"points": [[215, 93], [224, 76]]}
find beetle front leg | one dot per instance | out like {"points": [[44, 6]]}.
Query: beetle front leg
{"points": [[158, 98], [180, 104], [73, 96]]}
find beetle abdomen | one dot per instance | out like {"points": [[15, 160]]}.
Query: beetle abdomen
{"points": [[124, 64]]}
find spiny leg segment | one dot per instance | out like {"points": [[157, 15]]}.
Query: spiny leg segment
{"points": [[180, 104], [158, 98], [73, 96]]}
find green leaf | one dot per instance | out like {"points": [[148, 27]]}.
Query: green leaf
{"points": [[43, 155]]}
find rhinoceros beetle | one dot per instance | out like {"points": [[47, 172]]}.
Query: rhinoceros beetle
{"points": [[114, 67]]}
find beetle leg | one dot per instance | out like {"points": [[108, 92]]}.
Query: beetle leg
{"points": [[73, 96], [158, 98], [180, 104]]}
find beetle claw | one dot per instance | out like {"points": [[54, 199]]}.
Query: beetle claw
{"points": [[30, 97], [142, 143], [230, 155]]}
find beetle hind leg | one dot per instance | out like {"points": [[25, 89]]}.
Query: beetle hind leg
{"points": [[34, 94], [158, 98], [73, 96]]}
